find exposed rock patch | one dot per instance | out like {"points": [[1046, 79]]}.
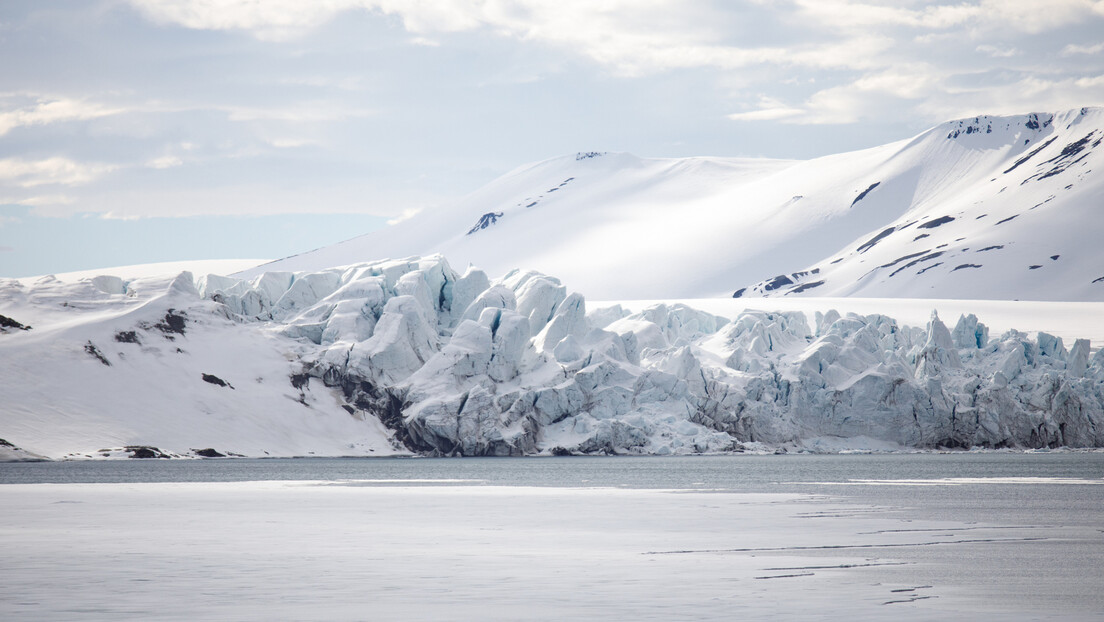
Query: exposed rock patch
{"points": [[931, 224], [8, 323], [174, 323], [127, 336], [486, 220], [145, 452], [91, 349], [215, 380], [863, 194]]}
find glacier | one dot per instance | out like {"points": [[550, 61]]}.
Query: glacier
{"points": [[412, 357]]}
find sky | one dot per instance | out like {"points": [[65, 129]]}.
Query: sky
{"points": [[134, 131]]}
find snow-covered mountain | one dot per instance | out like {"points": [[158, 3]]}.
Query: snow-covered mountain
{"points": [[381, 356], [988, 207], [410, 356]]}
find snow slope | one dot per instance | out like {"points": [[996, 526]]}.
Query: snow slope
{"points": [[989, 208], [408, 355], [105, 366]]}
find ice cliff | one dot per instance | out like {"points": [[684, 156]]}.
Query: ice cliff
{"points": [[412, 356], [460, 365]]}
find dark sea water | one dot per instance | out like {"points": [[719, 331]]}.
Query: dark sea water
{"points": [[741, 473]]}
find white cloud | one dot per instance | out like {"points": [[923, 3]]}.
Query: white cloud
{"points": [[768, 114], [1024, 15], [117, 216], [346, 83], [271, 19], [1088, 50], [51, 171], [405, 215], [1026, 94], [1031, 16], [905, 82], [837, 105], [637, 38], [165, 162], [52, 110], [298, 112], [861, 16], [769, 109], [997, 51], [291, 143], [630, 37], [842, 60], [1090, 83], [42, 200], [428, 16], [863, 98]]}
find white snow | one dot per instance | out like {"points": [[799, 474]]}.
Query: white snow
{"points": [[996, 208], [66, 403]]}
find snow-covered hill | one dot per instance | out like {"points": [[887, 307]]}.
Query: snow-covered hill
{"points": [[410, 356], [102, 364], [989, 207]]}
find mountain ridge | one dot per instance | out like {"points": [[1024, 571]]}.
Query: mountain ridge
{"points": [[622, 226]]}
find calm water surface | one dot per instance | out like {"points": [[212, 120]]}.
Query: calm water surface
{"points": [[1011, 486], [1046, 509], [742, 473]]}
